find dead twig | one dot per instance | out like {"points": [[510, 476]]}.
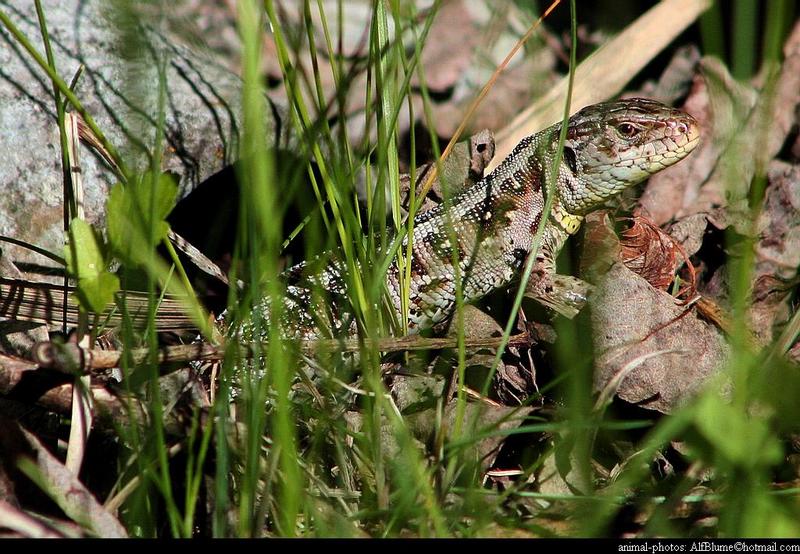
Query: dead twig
{"points": [[70, 357]]}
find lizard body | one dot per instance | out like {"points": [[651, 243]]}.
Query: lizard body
{"points": [[489, 227]]}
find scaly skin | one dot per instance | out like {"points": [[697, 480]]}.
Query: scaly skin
{"points": [[609, 147]]}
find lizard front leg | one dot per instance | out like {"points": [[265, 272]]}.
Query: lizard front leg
{"points": [[563, 293]]}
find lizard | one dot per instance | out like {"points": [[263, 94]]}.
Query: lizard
{"points": [[489, 227]]}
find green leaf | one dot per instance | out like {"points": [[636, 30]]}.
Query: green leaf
{"points": [[137, 213], [739, 438], [87, 263]]}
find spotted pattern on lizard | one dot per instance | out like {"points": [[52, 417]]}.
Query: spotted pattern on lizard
{"points": [[489, 227]]}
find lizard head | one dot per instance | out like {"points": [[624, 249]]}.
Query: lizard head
{"points": [[614, 145]]}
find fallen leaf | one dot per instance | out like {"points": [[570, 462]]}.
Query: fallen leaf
{"points": [[675, 80], [448, 52], [631, 321], [478, 418], [415, 391], [778, 248], [650, 252], [600, 246], [777, 251], [63, 487], [689, 232], [787, 95]]}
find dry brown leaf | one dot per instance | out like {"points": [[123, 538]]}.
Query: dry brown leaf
{"points": [[550, 480], [631, 321], [423, 427], [653, 254], [477, 323], [770, 307], [675, 80], [511, 92], [449, 49], [464, 45], [477, 417], [497, 27], [787, 95], [600, 245], [649, 252], [513, 380], [414, 392], [778, 248], [689, 232], [777, 255], [77, 502]]}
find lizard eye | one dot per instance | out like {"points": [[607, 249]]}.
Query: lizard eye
{"points": [[627, 129]]}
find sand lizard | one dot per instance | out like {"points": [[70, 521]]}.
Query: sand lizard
{"points": [[609, 147]]}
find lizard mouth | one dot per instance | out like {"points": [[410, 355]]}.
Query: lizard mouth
{"points": [[692, 134], [681, 136]]}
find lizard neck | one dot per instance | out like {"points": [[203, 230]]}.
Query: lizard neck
{"points": [[569, 223]]}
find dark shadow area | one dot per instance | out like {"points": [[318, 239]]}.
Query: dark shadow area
{"points": [[209, 217]]}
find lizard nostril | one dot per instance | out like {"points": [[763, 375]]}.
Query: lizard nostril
{"points": [[683, 128]]}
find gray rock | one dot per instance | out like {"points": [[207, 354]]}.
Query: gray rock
{"points": [[119, 87]]}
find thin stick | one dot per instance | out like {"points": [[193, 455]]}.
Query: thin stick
{"points": [[67, 357]]}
